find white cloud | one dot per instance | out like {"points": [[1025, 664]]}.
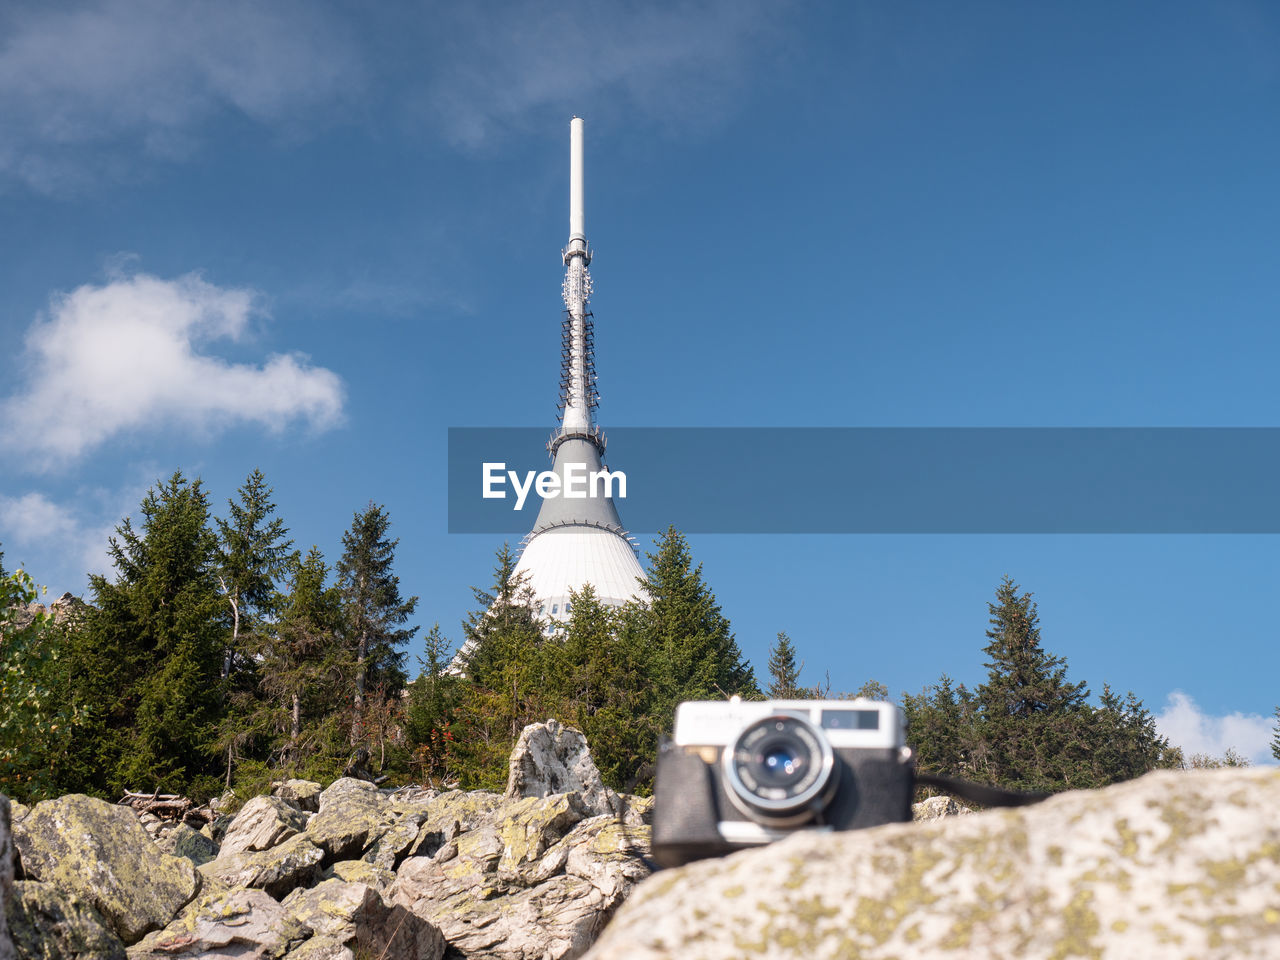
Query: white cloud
{"points": [[84, 86], [126, 356], [42, 534], [1188, 727], [678, 62]]}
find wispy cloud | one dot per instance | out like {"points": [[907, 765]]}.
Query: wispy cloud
{"points": [[41, 533], [1189, 727], [86, 88], [127, 356], [677, 61]]}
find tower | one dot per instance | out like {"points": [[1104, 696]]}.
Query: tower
{"points": [[578, 541]]}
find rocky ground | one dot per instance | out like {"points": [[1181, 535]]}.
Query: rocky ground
{"points": [[345, 872]]}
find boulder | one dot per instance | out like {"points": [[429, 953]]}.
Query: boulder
{"points": [[180, 840], [99, 852], [551, 758], [353, 813], [452, 813], [262, 823], [47, 923], [355, 916], [390, 848], [1184, 863], [239, 924], [303, 795], [937, 807], [294, 863], [6, 878], [361, 871], [534, 879]]}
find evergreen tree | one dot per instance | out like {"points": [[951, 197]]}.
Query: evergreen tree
{"points": [[306, 672], [941, 728], [373, 608], [507, 670], [253, 547], [150, 657], [1275, 737], [696, 656], [433, 700], [1035, 724], [784, 674], [1124, 743]]}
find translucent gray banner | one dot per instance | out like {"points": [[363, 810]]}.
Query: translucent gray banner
{"points": [[894, 480]]}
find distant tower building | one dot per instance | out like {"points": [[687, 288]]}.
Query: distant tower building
{"points": [[578, 541]]}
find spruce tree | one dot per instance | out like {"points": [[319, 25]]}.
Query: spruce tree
{"points": [[150, 657], [696, 655], [433, 700], [1035, 723], [1275, 737], [784, 674], [506, 672], [373, 608], [253, 547], [305, 670]]}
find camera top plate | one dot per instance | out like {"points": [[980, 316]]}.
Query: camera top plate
{"points": [[847, 723]]}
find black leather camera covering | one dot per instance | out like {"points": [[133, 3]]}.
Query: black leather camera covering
{"points": [[875, 787]]}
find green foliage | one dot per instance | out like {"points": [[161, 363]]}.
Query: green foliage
{"points": [[148, 660], [37, 718], [372, 607], [1204, 761], [696, 656], [1028, 727], [433, 702], [784, 674]]}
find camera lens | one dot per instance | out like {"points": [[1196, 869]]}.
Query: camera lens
{"points": [[779, 768]]}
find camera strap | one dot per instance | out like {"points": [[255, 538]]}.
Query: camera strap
{"points": [[978, 792]]}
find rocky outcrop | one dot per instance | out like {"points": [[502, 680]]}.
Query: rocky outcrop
{"points": [[405, 874], [45, 922], [235, 924], [262, 823], [937, 807], [552, 758], [100, 853], [1180, 864], [356, 917]]}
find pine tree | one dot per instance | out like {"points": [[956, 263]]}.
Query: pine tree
{"points": [[253, 547], [150, 658], [940, 729], [1275, 737], [1034, 722], [784, 682], [373, 609], [433, 700], [696, 656]]}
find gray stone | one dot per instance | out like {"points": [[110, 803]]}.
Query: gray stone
{"points": [[936, 808], [180, 840], [6, 877], [261, 824], [321, 948], [354, 915], [237, 924], [353, 814], [99, 852], [1180, 864], [361, 871], [303, 795], [294, 863], [47, 923], [551, 758]]}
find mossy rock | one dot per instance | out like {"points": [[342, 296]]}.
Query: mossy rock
{"points": [[184, 841], [353, 814], [99, 852], [48, 924], [294, 863], [226, 923]]}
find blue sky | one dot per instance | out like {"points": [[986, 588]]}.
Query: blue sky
{"points": [[311, 237]]}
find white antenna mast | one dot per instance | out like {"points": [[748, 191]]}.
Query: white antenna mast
{"points": [[577, 376]]}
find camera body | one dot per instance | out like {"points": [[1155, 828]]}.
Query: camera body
{"points": [[738, 773]]}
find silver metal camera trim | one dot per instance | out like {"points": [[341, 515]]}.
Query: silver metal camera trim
{"points": [[795, 809]]}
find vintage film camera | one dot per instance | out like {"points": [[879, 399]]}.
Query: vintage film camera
{"points": [[739, 773]]}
